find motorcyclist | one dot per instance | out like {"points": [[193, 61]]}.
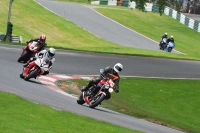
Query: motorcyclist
{"points": [[107, 72], [47, 54], [171, 39], [163, 36], [41, 41]]}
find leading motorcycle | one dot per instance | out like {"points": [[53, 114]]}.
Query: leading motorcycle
{"points": [[169, 47], [29, 51], [105, 86], [38, 67]]}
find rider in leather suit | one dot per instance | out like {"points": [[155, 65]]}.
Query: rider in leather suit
{"points": [[108, 72], [41, 41], [48, 54]]}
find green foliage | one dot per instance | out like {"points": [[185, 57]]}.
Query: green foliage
{"points": [[160, 3]]}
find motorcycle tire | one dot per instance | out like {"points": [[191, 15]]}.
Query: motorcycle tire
{"points": [[21, 75], [169, 49], [98, 101], [31, 74], [80, 99], [23, 57]]}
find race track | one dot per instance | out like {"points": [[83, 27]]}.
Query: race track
{"points": [[79, 63], [82, 63]]}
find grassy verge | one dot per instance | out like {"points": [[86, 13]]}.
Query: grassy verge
{"points": [[19, 116], [66, 35], [174, 103]]}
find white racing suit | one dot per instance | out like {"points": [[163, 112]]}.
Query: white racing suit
{"points": [[41, 54]]}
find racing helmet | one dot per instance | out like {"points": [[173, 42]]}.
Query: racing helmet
{"points": [[51, 52], [166, 33], [171, 37], [118, 67], [42, 39]]}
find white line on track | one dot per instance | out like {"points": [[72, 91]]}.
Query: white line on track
{"points": [[109, 19]]}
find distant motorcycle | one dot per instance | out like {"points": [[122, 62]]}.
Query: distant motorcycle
{"points": [[40, 66], [29, 51], [163, 43], [105, 86], [169, 47]]}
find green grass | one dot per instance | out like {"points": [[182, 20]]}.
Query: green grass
{"points": [[30, 20], [20, 116], [170, 102], [153, 25]]}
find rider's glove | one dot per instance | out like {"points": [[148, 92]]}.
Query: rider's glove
{"points": [[32, 58], [117, 91]]}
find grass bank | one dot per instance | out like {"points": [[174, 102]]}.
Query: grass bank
{"points": [[170, 102], [20, 116], [66, 35]]}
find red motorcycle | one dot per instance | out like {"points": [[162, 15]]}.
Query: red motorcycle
{"points": [[29, 51], [35, 69], [105, 86]]}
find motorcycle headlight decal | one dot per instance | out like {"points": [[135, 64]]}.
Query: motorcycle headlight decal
{"points": [[112, 84]]}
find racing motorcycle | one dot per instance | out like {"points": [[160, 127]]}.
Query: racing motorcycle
{"points": [[169, 47], [39, 66], [105, 86], [163, 43], [29, 51]]}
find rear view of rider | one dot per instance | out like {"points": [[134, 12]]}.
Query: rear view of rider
{"points": [[47, 54], [171, 39], [109, 73], [41, 41], [163, 36]]}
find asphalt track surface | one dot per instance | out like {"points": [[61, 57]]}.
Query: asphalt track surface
{"points": [[101, 26], [80, 63]]}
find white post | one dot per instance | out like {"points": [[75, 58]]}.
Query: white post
{"points": [[9, 10]]}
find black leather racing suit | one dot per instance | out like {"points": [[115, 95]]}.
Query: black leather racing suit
{"points": [[170, 40], [107, 72], [42, 46]]}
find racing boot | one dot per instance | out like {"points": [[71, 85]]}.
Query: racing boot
{"points": [[87, 86], [84, 88]]}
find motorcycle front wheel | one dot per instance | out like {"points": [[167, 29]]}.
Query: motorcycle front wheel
{"points": [[97, 101], [80, 99], [31, 74], [23, 57], [169, 49]]}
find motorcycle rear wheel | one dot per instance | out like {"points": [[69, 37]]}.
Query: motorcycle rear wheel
{"points": [[31, 74], [97, 101]]}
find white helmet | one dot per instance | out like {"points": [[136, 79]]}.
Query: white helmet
{"points": [[165, 33], [118, 67], [51, 52]]}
